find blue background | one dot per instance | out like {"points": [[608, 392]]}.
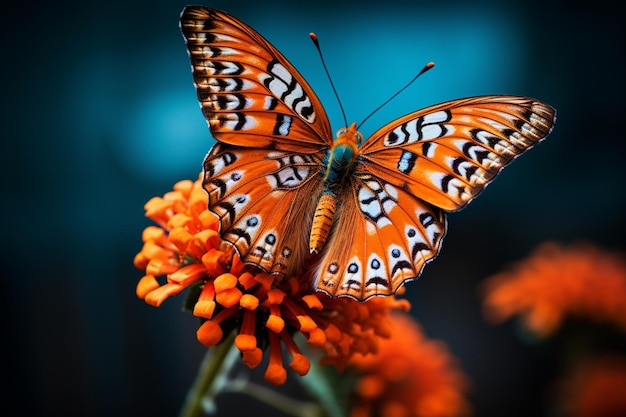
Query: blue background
{"points": [[99, 114]]}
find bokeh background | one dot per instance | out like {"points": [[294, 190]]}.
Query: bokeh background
{"points": [[99, 114]]}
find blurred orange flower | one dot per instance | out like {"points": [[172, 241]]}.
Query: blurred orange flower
{"points": [[410, 376], [557, 281], [596, 389], [263, 309]]}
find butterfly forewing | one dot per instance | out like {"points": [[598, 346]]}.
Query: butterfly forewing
{"points": [[446, 154], [249, 93]]}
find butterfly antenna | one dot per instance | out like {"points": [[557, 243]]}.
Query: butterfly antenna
{"points": [[426, 68], [319, 50]]}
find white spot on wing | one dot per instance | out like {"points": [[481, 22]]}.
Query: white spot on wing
{"points": [[403, 164], [431, 131], [437, 117], [263, 248], [353, 276], [281, 72], [284, 127]]}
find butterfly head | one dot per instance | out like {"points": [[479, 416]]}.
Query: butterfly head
{"points": [[349, 136]]}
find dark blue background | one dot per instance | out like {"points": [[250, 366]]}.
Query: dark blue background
{"points": [[100, 114]]}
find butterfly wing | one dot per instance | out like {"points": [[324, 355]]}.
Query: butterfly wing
{"points": [[383, 237], [448, 153], [263, 176], [249, 92], [408, 174], [265, 202]]}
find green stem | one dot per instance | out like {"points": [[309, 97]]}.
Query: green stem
{"points": [[277, 400], [211, 376]]}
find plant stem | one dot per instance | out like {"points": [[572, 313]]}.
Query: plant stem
{"points": [[211, 377], [277, 400]]}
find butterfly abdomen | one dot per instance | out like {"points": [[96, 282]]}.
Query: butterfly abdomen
{"points": [[322, 221]]}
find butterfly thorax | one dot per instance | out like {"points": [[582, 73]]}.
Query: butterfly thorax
{"points": [[338, 166], [341, 157]]}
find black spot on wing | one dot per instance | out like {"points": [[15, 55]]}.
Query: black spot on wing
{"points": [[401, 265], [377, 281]]}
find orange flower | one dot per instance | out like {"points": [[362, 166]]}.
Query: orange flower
{"points": [[410, 376], [263, 309], [596, 389], [557, 281]]}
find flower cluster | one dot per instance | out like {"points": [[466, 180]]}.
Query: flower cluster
{"points": [[596, 388], [557, 281], [265, 310], [410, 376]]}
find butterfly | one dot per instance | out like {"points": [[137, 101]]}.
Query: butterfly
{"points": [[365, 216]]}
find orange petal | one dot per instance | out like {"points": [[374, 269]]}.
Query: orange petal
{"points": [[225, 282], [249, 302], [184, 187], [333, 334], [153, 233], [252, 358], [155, 207], [313, 301], [317, 337], [275, 374], [275, 323], [229, 298], [306, 323], [180, 237], [159, 267], [207, 237], [300, 364], [179, 220], [146, 285], [204, 308], [245, 342], [209, 333], [370, 386], [275, 296], [188, 274], [247, 281], [209, 221], [152, 250], [141, 261], [211, 261], [265, 279], [200, 243], [155, 298]]}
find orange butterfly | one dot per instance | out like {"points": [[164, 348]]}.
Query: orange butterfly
{"points": [[369, 213]]}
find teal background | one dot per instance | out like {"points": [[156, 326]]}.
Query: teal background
{"points": [[99, 114]]}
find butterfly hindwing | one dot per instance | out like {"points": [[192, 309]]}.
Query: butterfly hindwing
{"points": [[446, 154], [261, 198], [249, 92], [383, 237]]}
